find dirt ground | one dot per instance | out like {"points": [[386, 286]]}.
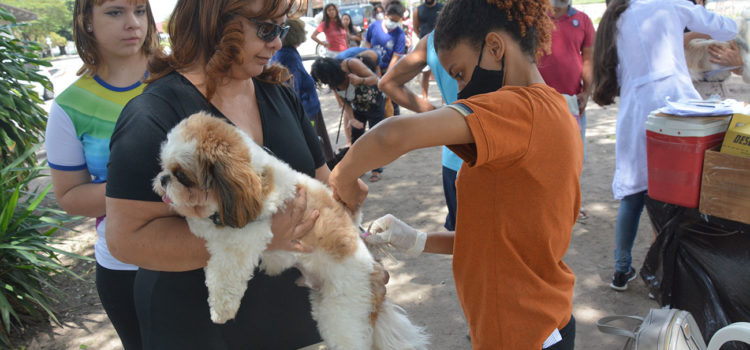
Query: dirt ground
{"points": [[411, 189]]}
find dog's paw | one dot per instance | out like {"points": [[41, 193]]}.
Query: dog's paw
{"points": [[219, 318], [275, 262]]}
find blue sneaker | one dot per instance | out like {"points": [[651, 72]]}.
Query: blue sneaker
{"points": [[620, 279]]}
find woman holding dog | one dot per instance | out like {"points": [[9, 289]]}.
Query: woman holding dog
{"points": [[639, 55], [114, 40], [219, 64], [518, 190]]}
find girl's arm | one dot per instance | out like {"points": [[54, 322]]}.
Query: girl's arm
{"points": [[315, 39], [394, 81], [440, 242], [389, 140], [76, 194]]}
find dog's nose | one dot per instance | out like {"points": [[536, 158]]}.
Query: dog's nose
{"points": [[164, 180]]}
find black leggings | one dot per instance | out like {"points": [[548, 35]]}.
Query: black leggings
{"points": [[275, 313], [369, 120], [568, 334], [115, 288]]}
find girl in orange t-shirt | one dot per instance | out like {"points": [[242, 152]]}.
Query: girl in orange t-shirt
{"points": [[518, 190]]}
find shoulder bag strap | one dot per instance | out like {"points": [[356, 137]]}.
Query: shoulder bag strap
{"points": [[604, 327]]}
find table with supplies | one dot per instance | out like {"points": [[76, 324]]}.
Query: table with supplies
{"points": [[699, 205]]}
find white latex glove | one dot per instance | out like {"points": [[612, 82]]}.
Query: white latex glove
{"points": [[390, 230]]}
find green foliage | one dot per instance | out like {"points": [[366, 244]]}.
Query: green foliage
{"points": [[57, 39], [28, 259], [22, 119], [52, 16]]}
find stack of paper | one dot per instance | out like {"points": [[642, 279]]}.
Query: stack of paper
{"points": [[698, 108]]}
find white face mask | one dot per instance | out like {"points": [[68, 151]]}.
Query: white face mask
{"points": [[390, 25], [379, 16], [559, 3]]}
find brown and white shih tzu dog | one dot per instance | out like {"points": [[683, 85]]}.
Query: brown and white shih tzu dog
{"points": [[228, 187]]}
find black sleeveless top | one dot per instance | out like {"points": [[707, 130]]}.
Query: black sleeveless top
{"points": [[427, 18]]}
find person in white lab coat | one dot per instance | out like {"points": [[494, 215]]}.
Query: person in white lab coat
{"points": [[638, 54]]}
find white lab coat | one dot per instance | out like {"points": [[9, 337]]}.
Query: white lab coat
{"points": [[651, 67]]}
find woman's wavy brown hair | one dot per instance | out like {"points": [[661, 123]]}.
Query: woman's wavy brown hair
{"points": [[471, 20], [86, 42], [210, 33], [606, 87]]}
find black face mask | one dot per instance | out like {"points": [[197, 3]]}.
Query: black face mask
{"points": [[482, 80], [429, 2]]}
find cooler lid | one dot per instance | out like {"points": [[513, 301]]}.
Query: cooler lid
{"points": [[686, 126]]}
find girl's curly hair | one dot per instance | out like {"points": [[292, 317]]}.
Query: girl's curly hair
{"points": [[471, 20], [211, 32]]}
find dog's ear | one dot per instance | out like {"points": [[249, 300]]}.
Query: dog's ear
{"points": [[240, 192]]}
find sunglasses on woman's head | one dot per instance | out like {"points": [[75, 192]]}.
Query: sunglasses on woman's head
{"points": [[269, 31]]}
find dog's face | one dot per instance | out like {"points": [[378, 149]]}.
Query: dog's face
{"points": [[206, 172]]}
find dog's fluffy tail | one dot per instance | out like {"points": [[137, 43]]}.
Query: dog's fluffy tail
{"points": [[393, 330]]}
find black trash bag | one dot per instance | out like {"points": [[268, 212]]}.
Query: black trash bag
{"points": [[701, 264]]}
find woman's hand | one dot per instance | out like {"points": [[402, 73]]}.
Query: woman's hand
{"points": [[351, 193], [583, 99], [354, 123], [289, 225], [727, 56], [356, 79]]}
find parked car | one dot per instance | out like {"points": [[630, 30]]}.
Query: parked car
{"points": [[41, 91], [309, 48], [360, 14]]}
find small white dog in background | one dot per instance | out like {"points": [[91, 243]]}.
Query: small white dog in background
{"points": [[228, 187]]}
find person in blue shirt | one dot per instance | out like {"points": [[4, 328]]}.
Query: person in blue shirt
{"points": [[388, 39], [302, 82], [393, 85]]}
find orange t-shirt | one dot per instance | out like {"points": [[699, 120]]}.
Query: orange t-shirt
{"points": [[518, 199]]}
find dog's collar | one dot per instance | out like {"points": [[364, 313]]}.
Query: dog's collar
{"points": [[216, 219]]}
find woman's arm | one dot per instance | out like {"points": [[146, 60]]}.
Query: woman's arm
{"points": [[389, 140], [727, 56], [152, 236], [76, 194], [359, 73], [315, 39], [350, 121], [415, 22], [394, 59], [689, 36], [394, 81]]}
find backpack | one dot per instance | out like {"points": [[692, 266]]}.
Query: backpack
{"points": [[662, 329]]}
